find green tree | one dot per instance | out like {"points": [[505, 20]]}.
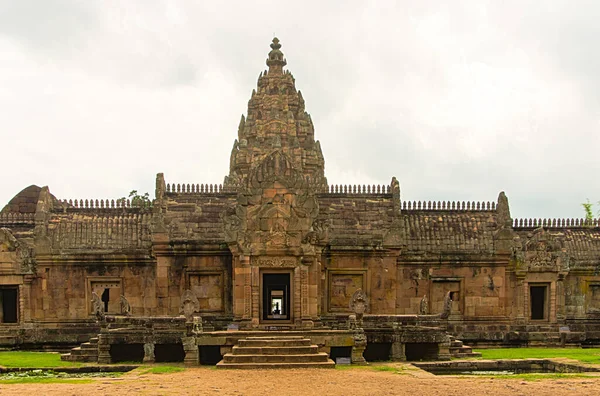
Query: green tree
{"points": [[138, 201], [588, 208]]}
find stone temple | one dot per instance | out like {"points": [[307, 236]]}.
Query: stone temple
{"points": [[276, 257]]}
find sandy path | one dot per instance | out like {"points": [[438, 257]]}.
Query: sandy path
{"points": [[351, 382]]}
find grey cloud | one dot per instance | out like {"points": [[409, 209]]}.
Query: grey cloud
{"points": [[48, 25], [394, 89]]}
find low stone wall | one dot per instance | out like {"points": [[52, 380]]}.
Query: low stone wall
{"points": [[516, 365]]}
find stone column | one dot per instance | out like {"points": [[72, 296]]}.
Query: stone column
{"points": [[149, 352], [103, 350], [296, 289], [360, 344], [398, 352], [243, 290], [560, 299], [306, 298], [25, 300], [520, 300], [192, 356], [255, 276]]}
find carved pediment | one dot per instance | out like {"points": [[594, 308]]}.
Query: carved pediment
{"points": [[545, 252], [276, 166], [17, 253]]}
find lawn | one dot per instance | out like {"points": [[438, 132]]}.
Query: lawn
{"points": [[588, 355], [34, 359]]}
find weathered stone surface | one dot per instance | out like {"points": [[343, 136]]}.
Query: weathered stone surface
{"points": [[204, 250]]}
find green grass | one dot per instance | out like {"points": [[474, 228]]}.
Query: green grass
{"points": [[163, 370], [34, 380], [530, 376], [34, 359], [377, 367], [589, 355]]}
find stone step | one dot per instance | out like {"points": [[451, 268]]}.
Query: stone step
{"points": [[85, 352], [456, 344], [89, 346], [460, 350], [317, 357], [274, 342], [67, 357], [274, 350], [467, 354], [223, 365]]}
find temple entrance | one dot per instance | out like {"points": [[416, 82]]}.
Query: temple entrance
{"points": [[537, 297], [8, 305], [276, 296]]}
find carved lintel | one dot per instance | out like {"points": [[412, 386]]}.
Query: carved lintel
{"points": [[283, 262]]}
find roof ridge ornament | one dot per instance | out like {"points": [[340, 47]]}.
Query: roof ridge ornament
{"points": [[276, 60]]}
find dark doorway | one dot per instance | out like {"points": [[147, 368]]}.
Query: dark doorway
{"points": [[377, 351], [105, 299], [537, 298], [9, 305], [127, 353], [166, 353], [421, 351], [276, 296], [210, 354]]}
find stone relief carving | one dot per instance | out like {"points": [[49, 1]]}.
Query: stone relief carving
{"points": [[276, 210], [125, 306], [24, 254], [544, 251], [275, 262], [197, 325], [97, 306], [189, 305], [358, 304], [424, 306], [447, 306]]}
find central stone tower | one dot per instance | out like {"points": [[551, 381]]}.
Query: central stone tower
{"points": [[277, 121], [273, 230]]}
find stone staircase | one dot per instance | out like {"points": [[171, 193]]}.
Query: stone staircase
{"points": [[459, 350], [275, 352], [85, 353]]}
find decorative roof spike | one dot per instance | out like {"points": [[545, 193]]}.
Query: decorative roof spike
{"points": [[276, 61]]}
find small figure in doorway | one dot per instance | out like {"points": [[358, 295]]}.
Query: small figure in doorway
{"points": [[276, 311]]}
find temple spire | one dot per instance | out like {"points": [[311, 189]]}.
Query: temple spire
{"points": [[276, 61]]}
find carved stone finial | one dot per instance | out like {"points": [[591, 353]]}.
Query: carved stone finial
{"points": [[97, 306], [447, 306], [125, 306], [276, 61], [504, 219]]}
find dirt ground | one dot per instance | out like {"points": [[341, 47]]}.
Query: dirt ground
{"points": [[349, 382]]}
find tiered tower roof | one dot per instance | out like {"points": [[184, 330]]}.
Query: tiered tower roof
{"points": [[276, 121]]}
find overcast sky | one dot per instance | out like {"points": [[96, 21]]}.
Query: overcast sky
{"points": [[458, 100]]}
